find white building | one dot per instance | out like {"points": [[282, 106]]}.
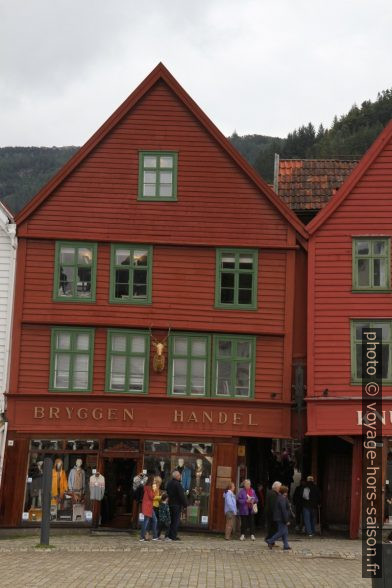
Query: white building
{"points": [[7, 276]]}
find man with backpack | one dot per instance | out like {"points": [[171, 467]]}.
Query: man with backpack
{"points": [[311, 499]]}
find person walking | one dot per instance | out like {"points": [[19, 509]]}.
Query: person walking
{"points": [[148, 511], [311, 499], [270, 502], [281, 517], [177, 501], [230, 510], [247, 508]]}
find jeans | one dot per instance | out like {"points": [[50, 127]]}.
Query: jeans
{"points": [[309, 518], [175, 513], [146, 523], [248, 521], [282, 533]]}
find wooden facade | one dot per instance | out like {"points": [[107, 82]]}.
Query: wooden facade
{"points": [[360, 212], [220, 203]]}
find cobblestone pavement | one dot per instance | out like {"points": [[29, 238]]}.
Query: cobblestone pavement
{"points": [[197, 561]]}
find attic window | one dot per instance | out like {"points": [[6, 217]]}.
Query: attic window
{"points": [[158, 175]]}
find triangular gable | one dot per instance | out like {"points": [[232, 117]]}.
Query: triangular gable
{"points": [[160, 73], [352, 180]]}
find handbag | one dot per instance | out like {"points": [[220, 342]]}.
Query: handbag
{"points": [[255, 509]]}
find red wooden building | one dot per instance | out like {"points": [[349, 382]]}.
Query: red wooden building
{"points": [[156, 231], [349, 286]]}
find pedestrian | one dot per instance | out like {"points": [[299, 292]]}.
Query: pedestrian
{"points": [[270, 503], [230, 510], [177, 501], [297, 501], [148, 511], [164, 515], [247, 508], [311, 499], [156, 487], [282, 518]]}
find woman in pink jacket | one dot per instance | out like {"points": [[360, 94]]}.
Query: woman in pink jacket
{"points": [[148, 511]]}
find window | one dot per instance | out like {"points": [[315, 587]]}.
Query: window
{"points": [[189, 365], [157, 175], [236, 279], [234, 366], [371, 263], [75, 271], [71, 361], [356, 347], [127, 361], [130, 280]]}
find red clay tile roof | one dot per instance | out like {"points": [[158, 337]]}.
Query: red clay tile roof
{"points": [[308, 184]]}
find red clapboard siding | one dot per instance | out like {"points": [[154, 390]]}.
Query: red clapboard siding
{"points": [[216, 201], [366, 210]]}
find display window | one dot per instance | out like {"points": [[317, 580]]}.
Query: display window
{"points": [[74, 462], [194, 462]]}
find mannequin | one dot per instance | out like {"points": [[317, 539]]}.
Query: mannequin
{"points": [[77, 480], [36, 484], [59, 481], [185, 474], [198, 471], [97, 490]]}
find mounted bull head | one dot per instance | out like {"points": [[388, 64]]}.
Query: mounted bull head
{"points": [[159, 359]]}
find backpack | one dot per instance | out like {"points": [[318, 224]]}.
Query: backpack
{"points": [[306, 493]]}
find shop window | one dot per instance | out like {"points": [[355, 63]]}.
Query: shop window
{"points": [[71, 359], [189, 364], [371, 264], [130, 278], [236, 279], [127, 361], [234, 366], [122, 445], [71, 472], [356, 348], [75, 271], [158, 175], [194, 461]]}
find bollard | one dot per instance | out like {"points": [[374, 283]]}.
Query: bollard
{"points": [[46, 498]]}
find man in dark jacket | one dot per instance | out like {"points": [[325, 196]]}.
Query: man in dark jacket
{"points": [[281, 517], [270, 503], [310, 501], [297, 501], [177, 500]]}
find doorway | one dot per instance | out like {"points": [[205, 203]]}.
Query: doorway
{"points": [[116, 506]]}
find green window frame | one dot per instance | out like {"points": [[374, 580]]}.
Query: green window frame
{"points": [[130, 274], [189, 364], [75, 271], [234, 366], [127, 361], [71, 364], [236, 279], [371, 264], [386, 326], [158, 175]]}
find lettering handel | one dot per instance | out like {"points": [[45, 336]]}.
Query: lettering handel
{"points": [[220, 418]]}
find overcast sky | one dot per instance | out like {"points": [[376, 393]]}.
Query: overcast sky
{"points": [[254, 66]]}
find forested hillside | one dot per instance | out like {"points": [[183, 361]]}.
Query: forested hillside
{"points": [[24, 170]]}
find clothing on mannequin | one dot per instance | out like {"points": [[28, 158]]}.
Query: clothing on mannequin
{"points": [[97, 486], [36, 484], [185, 474], [77, 478], [59, 481]]}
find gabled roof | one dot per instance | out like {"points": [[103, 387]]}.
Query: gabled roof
{"points": [[352, 180], [308, 184], [7, 213], [160, 73]]}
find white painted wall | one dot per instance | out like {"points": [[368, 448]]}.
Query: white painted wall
{"points": [[7, 277]]}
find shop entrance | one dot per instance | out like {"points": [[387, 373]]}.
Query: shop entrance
{"points": [[116, 506]]}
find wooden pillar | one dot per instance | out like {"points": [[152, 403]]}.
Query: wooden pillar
{"points": [[356, 486]]}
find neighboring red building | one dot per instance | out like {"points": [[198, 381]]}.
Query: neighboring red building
{"points": [[349, 286], [156, 231]]}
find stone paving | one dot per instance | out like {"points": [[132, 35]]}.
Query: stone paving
{"points": [[197, 561]]}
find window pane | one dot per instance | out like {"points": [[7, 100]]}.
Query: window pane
{"points": [[63, 341], [227, 296], [119, 343], [123, 256], [243, 379], [386, 330], [244, 296], [198, 375], [358, 330], [166, 177], [223, 377], [363, 272], [166, 161], [66, 281], [363, 248], [224, 348], [245, 280], [358, 357], [80, 372], [199, 347], [67, 255], [227, 280], [243, 349], [165, 190], [149, 190], [379, 247], [228, 261], [140, 257], [82, 341], [150, 161], [140, 283], [85, 256], [136, 373], [379, 272], [138, 344], [117, 373], [179, 376], [150, 177], [122, 283], [61, 370], [84, 282], [246, 262], [180, 345]]}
